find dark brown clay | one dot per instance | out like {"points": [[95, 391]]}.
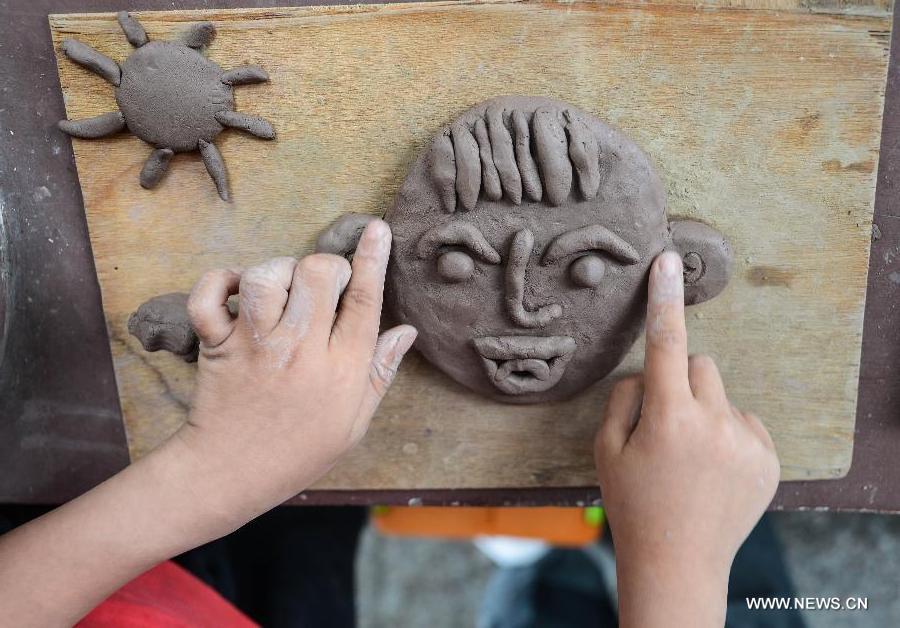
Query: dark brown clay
{"points": [[342, 236], [523, 236], [162, 323]]}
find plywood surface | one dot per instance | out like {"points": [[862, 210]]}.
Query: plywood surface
{"points": [[762, 122]]}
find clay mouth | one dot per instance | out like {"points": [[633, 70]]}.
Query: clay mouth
{"points": [[517, 365]]}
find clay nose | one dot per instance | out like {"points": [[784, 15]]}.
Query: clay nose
{"points": [[519, 254]]}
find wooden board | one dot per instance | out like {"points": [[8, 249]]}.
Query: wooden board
{"points": [[762, 122]]}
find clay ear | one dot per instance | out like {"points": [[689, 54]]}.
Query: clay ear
{"points": [[342, 236], [707, 259], [163, 323]]}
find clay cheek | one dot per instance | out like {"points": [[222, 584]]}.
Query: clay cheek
{"points": [[459, 304], [596, 313], [618, 283], [547, 284]]}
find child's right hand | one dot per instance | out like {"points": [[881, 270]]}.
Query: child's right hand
{"points": [[284, 389], [290, 384], [684, 474]]}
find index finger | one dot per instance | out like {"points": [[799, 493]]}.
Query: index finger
{"points": [[666, 353], [359, 315]]}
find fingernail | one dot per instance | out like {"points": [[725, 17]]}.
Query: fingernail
{"points": [[381, 236], [380, 230], [406, 340], [670, 265]]}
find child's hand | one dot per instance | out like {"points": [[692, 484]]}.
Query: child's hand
{"points": [[289, 384], [283, 390], [684, 474]]}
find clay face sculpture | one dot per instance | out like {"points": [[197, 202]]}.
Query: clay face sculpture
{"points": [[523, 236], [170, 96]]}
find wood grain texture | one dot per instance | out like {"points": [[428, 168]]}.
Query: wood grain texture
{"points": [[762, 122]]}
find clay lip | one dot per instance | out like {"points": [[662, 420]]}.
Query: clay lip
{"points": [[517, 365]]}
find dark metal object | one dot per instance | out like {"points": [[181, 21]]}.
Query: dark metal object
{"points": [[60, 425]]}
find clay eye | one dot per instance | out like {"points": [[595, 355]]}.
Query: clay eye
{"points": [[455, 266], [587, 271]]}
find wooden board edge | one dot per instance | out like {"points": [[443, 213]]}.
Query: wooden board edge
{"points": [[848, 8]]}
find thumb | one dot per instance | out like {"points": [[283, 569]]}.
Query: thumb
{"points": [[392, 345]]}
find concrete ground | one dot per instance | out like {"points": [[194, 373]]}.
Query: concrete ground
{"points": [[436, 584]]}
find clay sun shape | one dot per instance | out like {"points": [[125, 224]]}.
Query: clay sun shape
{"points": [[170, 96]]}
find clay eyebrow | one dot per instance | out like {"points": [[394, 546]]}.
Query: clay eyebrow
{"points": [[587, 238], [457, 232]]}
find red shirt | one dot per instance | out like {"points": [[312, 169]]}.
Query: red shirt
{"points": [[167, 596]]}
